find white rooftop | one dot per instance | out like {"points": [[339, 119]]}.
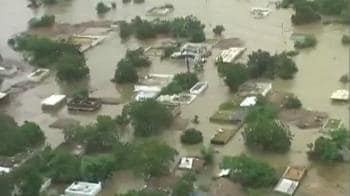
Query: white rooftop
{"points": [[248, 101], [229, 55], [341, 94], [5, 170], [2, 95], [53, 100], [145, 95], [138, 88], [224, 172], [186, 163], [286, 186], [83, 189]]}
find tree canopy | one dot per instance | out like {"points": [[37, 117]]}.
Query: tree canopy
{"points": [[250, 172], [329, 148], [149, 117], [184, 186], [102, 8], [97, 168], [264, 132], [218, 29], [64, 56], [126, 69], [191, 136], [234, 74], [151, 158], [43, 21], [262, 64], [28, 135], [181, 27], [180, 83], [97, 137]]}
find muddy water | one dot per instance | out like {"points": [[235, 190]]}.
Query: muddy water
{"points": [[318, 76]]}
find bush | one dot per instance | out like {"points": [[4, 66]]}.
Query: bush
{"points": [[191, 136], [44, 21], [102, 8], [292, 102], [218, 29], [149, 117], [250, 172], [126, 1], [309, 41]]}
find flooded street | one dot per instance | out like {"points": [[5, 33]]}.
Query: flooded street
{"points": [[319, 71]]}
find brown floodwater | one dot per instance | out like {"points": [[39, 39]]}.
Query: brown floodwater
{"points": [[319, 71]]}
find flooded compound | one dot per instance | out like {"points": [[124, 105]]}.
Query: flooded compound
{"points": [[319, 71]]}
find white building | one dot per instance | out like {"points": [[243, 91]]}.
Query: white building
{"points": [[54, 101], [230, 55], [83, 189]]}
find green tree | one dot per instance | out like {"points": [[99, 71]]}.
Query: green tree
{"points": [[250, 172], [325, 150], [181, 82], [267, 134], [261, 64], [262, 109], [125, 72], [191, 136], [32, 133], [235, 75], [149, 117], [97, 168], [97, 137], [102, 8], [304, 14], [70, 67], [44, 21], [332, 7], [65, 57], [151, 158], [329, 148], [184, 186], [64, 167], [31, 183], [137, 58], [6, 184], [218, 29], [125, 30], [285, 66]]}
